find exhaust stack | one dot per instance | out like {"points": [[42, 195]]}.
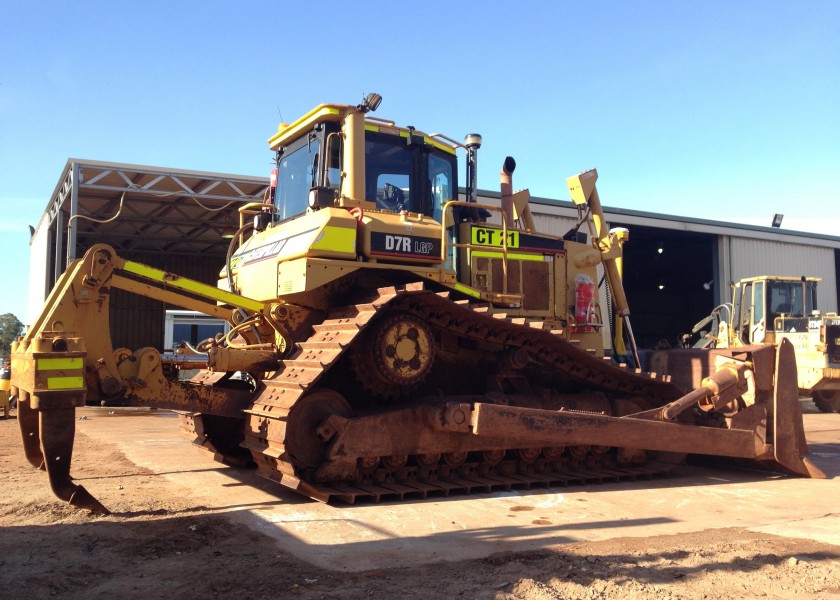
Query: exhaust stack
{"points": [[506, 184]]}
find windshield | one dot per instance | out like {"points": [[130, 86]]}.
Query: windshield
{"points": [[388, 173], [412, 177], [792, 298]]}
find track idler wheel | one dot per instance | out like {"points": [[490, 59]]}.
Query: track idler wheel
{"points": [[305, 443]]}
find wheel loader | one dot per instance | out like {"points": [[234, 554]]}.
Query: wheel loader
{"points": [[390, 340], [768, 309]]}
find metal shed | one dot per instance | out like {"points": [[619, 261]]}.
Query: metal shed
{"points": [[678, 268], [171, 219]]}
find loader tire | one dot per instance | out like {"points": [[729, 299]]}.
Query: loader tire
{"points": [[827, 400]]}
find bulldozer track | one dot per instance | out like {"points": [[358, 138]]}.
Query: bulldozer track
{"points": [[468, 481], [267, 418]]}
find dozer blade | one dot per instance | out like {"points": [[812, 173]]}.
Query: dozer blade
{"points": [[786, 453], [789, 445], [57, 428]]}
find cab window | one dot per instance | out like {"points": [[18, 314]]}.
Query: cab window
{"points": [[756, 324], [297, 172], [389, 173], [746, 313], [441, 179], [407, 174]]}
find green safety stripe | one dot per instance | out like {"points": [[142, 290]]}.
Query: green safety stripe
{"points": [[190, 285], [439, 145], [338, 239], [510, 255], [404, 133], [467, 290], [66, 383], [57, 364]]}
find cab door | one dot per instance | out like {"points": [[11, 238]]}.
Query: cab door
{"points": [[758, 323], [753, 317], [749, 313]]}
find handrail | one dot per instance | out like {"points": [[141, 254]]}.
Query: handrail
{"points": [[445, 244]]}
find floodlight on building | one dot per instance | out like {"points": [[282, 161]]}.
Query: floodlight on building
{"points": [[777, 220]]}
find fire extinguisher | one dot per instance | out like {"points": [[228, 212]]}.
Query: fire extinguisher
{"points": [[584, 295]]}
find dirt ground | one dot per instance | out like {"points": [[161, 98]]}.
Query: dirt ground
{"points": [[157, 544]]}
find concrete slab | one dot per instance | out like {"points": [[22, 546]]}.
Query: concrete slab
{"points": [[395, 534]]}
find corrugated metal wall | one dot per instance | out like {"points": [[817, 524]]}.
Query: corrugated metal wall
{"points": [[39, 247], [552, 224], [545, 219], [753, 257]]}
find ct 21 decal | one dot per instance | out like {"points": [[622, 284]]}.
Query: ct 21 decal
{"points": [[404, 245], [492, 237]]}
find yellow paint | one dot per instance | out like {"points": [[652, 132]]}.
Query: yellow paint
{"points": [[324, 112]]}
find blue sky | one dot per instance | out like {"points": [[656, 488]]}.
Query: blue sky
{"points": [[714, 109]]}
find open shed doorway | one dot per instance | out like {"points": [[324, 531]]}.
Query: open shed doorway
{"points": [[669, 279]]}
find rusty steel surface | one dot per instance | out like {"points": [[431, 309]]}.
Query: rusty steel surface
{"points": [[48, 437], [408, 393], [313, 428], [789, 433]]}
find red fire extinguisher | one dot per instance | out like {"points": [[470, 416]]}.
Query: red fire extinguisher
{"points": [[584, 296]]}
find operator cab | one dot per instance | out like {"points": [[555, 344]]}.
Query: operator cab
{"points": [[404, 171], [764, 306]]}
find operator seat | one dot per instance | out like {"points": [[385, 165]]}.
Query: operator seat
{"points": [[392, 198]]}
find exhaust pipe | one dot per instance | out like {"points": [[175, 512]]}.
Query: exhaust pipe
{"points": [[506, 184]]}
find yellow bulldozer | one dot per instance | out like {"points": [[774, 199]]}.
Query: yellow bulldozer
{"points": [[389, 340], [768, 309]]}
